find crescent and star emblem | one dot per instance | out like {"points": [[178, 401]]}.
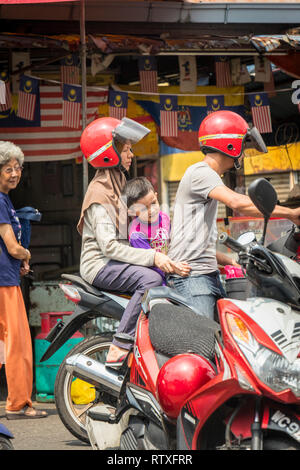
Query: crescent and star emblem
{"points": [[258, 100], [118, 101], [69, 60], [72, 95], [147, 64], [215, 105], [28, 86], [3, 76], [168, 105]]}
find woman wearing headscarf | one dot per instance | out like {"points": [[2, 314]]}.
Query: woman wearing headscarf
{"points": [[15, 335], [107, 261]]}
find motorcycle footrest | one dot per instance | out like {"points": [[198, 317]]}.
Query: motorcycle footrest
{"points": [[124, 338], [104, 413]]}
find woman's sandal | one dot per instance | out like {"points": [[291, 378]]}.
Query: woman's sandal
{"points": [[24, 413]]}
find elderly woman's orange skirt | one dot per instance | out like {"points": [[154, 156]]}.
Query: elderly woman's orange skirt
{"points": [[15, 333]]}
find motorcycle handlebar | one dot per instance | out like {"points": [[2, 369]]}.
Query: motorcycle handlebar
{"points": [[225, 239]]}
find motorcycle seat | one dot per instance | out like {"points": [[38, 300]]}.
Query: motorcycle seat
{"points": [[164, 292], [76, 279], [175, 329]]}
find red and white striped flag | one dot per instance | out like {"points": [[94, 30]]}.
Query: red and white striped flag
{"points": [[118, 102], [168, 116], [2, 92], [69, 70], [46, 139], [261, 113], [223, 72], [28, 91], [71, 114], [148, 74], [7, 104]]}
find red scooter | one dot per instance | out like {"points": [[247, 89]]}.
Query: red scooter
{"points": [[190, 383]]}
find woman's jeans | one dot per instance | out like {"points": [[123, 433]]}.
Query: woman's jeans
{"points": [[123, 277], [202, 291]]}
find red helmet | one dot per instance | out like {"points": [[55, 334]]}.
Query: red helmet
{"points": [[179, 378], [98, 140], [228, 133]]}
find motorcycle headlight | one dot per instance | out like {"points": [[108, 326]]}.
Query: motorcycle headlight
{"points": [[271, 368]]}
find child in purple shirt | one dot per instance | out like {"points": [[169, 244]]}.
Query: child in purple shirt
{"points": [[150, 227]]}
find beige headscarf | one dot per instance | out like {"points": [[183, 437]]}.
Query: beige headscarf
{"points": [[105, 189]]}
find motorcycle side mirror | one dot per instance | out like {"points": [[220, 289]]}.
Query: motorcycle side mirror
{"points": [[264, 197], [246, 238]]}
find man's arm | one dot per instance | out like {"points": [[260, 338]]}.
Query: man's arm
{"points": [[244, 205], [224, 259]]}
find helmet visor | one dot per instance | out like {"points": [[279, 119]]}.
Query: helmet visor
{"points": [[253, 140], [129, 130]]}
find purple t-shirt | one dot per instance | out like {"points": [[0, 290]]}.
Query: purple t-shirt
{"points": [[155, 235], [10, 267]]}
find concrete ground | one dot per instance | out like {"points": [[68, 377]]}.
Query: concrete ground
{"points": [[41, 434]]}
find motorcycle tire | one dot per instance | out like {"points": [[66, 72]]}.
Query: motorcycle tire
{"points": [[277, 443], [280, 443], [72, 415], [5, 443]]}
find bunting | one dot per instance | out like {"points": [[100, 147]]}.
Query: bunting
{"points": [[45, 139], [69, 69], [28, 91], [2, 93], [191, 110], [223, 72], [118, 103], [262, 69], [71, 112], [7, 104], [261, 113], [188, 73], [168, 116], [148, 74]]}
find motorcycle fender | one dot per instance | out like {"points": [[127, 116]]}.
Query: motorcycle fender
{"points": [[5, 432], [62, 332], [274, 417]]}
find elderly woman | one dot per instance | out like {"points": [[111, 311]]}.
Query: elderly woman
{"points": [[14, 261]]}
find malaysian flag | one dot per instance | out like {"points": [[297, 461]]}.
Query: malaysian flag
{"points": [[214, 103], [71, 113], [2, 92], [148, 74], [44, 139], [168, 116], [261, 113], [28, 92], [69, 69], [223, 72], [7, 104], [118, 102]]}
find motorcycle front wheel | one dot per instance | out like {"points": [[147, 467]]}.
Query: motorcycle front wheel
{"points": [[72, 409]]}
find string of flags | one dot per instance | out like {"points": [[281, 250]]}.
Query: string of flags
{"points": [[229, 72]]}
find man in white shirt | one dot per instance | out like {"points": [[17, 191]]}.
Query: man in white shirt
{"points": [[223, 136]]}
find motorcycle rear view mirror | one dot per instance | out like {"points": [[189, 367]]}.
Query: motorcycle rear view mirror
{"points": [[264, 197], [246, 238]]}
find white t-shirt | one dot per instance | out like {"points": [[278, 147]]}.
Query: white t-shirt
{"points": [[194, 227]]}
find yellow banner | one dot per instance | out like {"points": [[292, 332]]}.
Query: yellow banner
{"points": [[282, 158]]}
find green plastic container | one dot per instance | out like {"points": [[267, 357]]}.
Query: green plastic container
{"points": [[45, 372]]}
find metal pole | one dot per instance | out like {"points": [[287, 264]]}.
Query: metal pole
{"points": [[83, 84]]}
